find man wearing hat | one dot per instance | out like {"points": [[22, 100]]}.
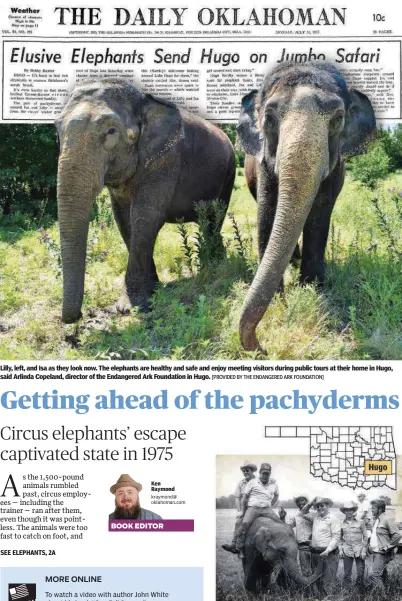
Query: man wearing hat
{"points": [[248, 468], [326, 534], [259, 495], [384, 539], [127, 501], [353, 547], [303, 530]]}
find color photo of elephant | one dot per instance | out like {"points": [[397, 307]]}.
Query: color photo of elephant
{"points": [[157, 162], [299, 127], [269, 543]]}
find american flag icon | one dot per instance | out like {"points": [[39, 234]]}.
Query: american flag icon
{"points": [[19, 592]]}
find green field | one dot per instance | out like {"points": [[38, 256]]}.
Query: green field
{"points": [[196, 311]]}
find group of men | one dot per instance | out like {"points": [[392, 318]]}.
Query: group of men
{"points": [[322, 537]]}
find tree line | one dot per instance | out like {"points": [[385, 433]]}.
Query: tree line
{"points": [[28, 166], [229, 502]]}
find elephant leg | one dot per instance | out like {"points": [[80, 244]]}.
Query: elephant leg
{"points": [[215, 241], [217, 217], [316, 228], [141, 275], [147, 216], [253, 573], [121, 214]]}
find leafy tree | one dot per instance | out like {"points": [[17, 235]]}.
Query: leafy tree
{"points": [[28, 169], [230, 131]]}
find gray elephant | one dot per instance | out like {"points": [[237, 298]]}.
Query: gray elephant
{"points": [[299, 127], [157, 162], [268, 544]]}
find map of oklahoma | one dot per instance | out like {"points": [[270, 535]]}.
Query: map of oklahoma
{"points": [[354, 456]]}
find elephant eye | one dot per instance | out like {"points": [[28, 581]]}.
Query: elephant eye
{"points": [[270, 120], [338, 120]]}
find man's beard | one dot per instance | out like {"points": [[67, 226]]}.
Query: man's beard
{"points": [[127, 514]]}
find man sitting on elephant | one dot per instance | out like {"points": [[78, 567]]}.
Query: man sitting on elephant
{"points": [[259, 496], [326, 535], [248, 468]]}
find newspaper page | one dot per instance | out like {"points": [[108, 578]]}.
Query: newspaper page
{"points": [[199, 350], [203, 58]]}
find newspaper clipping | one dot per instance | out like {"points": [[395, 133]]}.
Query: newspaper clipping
{"points": [[193, 196]]}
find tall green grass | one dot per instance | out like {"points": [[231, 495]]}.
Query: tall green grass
{"points": [[195, 312]]}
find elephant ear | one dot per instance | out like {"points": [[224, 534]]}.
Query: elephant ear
{"points": [[161, 130], [249, 138], [360, 126], [262, 539]]}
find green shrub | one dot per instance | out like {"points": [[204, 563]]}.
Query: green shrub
{"points": [[372, 167]]}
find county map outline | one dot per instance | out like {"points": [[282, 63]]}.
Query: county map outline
{"points": [[347, 455]]}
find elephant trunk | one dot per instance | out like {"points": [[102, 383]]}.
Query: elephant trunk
{"points": [[291, 567], [77, 188], [302, 164]]}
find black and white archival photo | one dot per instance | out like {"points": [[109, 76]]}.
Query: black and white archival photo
{"points": [[282, 533]]}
